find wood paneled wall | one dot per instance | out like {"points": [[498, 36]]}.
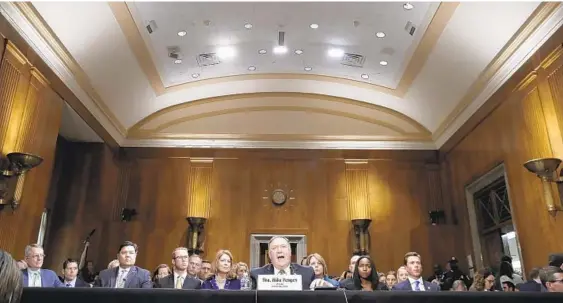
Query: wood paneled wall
{"points": [[527, 124], [155, 182], [30, 114]]}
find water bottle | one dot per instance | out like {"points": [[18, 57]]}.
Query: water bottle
{"points": [[245, 282]]}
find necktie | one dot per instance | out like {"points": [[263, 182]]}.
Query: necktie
{"points": [[179, 282], [416, 285], [120, 279], [35, 278], [68, 285], [281, 272]]}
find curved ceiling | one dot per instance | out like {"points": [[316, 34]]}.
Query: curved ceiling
{"points": [[222, 83]]}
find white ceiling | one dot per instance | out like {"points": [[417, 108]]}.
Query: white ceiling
{"points": [[73, 127], [460, 54]]}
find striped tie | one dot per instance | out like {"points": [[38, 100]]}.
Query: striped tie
{"points": [[417, 285]]}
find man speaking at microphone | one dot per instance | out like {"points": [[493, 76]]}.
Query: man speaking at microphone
{"points": [[279, 251]]}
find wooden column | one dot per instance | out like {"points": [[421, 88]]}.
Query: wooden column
{"points": [[30, 114]]}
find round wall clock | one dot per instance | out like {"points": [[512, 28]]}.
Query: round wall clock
{"points": [[278, 197]]}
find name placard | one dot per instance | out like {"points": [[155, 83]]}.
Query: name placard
{"points": [[279, 282]]}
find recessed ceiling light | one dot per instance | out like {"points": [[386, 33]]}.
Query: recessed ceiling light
{"points": [[280, 49], [408, 6], [248, 25], [262, 51], [365, 76], [383, 62], [314, 26], [182, 33], [252, 68], [308, 69], [225, 52], [177, 61], [380, 34], [335, 53], [196, 75], [298, 51]]}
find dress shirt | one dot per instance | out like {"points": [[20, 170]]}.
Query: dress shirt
{"points": [[34, 278], [286, 271], [121, 277], [71, 283], [420, 284], [176, 276]]}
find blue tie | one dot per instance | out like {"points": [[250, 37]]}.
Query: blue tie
{"points": [[416, 285]]}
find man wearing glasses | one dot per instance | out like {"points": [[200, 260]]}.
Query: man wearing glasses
{"points": [[180, 278], [34, 275], [552, 278]]}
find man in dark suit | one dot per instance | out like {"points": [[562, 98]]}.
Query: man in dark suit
{"points": [[126, 275], [414, 282], [70, 274], [179, 278], [34, 275], [533, 284], [279, 251]]}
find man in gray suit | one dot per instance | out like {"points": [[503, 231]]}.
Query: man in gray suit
{"points": [[126, 275], [279, 251]]}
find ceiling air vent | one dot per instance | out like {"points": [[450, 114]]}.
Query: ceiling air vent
{"points": [[410, 28], [354, 60], [151, 27], [208, 59]]}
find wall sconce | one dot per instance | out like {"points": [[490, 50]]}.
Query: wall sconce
{"points": [[437, 217], [546, 170], [195, 235], [17, 165], [361, 233]]}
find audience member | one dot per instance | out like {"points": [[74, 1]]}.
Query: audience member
{"points": [[402, 274], [414, 282], [507, 283], [364, 277], [223, 276], [390, 279], [556, 260], [534, 282], [552, 278], [459, 285], [70, 274], [194, 266], [240, 269], [10, 279], [205, 271], [34, 275], [161, 271], [126, 275], [317, 262], [179, 279]]}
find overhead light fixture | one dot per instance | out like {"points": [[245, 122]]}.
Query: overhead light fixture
{"points": [[314, 26], [196, 75], [383, 62], [298, 51], [308, 69], [335, 53], [546, 170], [280, 49], [225, 52], [262, 51], [177, 61], [182, 33], [252, 68], [248, 25], [365, 76], [380, 35], [408, 6]]}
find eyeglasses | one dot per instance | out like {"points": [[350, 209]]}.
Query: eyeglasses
{"points": [[182, 257], [490, 280], [38, 256], [557, 281]]}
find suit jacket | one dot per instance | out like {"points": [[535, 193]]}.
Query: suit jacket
{"points": [[233, 284], [136, 278], [530, 286], [348, 284], [48, 278], [307, 274], [168, 282], [406, 286], [78, 283]]}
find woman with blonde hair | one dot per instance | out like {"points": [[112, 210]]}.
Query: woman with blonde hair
{"points": [[317, 262], [240, 269], [402, 274], [223, 275]]}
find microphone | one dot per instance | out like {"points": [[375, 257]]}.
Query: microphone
{"points": [[89, 235], [345, 297]]}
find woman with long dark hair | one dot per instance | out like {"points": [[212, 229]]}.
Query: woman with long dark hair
{"points": [[365, 276]]}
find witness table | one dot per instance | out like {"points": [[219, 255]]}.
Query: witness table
{"points": [[101, 295]]}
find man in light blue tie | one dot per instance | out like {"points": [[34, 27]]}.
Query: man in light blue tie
{"points": [[34, 275], [126, 275], [414, 282]]}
